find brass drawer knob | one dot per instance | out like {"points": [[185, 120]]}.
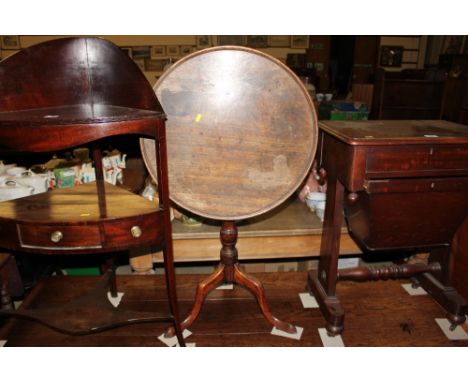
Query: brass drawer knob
{"points": [[136, 231], [56, 236]]}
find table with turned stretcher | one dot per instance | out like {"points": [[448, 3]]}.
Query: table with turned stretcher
{"points": [[403, 186]]}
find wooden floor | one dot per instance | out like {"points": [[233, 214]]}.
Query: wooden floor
{"points": [[377, 314]]}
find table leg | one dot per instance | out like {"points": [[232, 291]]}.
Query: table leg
{"points": [[322, 283], [229, 271], [440, 288]]}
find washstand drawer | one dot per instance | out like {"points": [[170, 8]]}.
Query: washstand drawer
{"points": [[425, 159], [137, 230], [59, 236]]}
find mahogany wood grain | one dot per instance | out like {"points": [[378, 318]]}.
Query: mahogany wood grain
{"points": [[241, 137], [242, 132], [64, 93], [409, 187], [459, 266]]}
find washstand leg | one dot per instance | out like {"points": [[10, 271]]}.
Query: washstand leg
{"points": [[109, 267], [172, 292]]}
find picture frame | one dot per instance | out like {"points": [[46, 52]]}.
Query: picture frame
{"points": [[391, 56], [231, 40], [10, 42], [172, 50], [185, 49], [257, 41], [279, 41], [141, 52], [158, 51], [300, 42], [155, 64], [203, 42]]}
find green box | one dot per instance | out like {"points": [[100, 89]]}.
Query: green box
{"points": [[90, 271], [349, 115], [64, 177]]}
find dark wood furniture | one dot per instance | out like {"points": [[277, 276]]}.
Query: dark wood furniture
{"points": [[65, 93], [409, 94], [460, 259], [11, 284], [404, 186], [242, 133]]}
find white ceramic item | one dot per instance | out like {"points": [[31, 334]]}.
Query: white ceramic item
{"points": [[10, 189], [313, 198], [14, 171], [40, 182]]}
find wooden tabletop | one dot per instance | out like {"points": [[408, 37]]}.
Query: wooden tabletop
{"points": [[241, 132], [390, 132]]}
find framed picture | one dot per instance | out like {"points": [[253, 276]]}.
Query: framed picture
{"points": [[301, 42], [172, 50], [127, 50], [140, 52], [231, 40], [185, 49], [279, 41], [158, 51], [257, 41], [155, 64], [10, 42], [203, 42], [391, 55]]}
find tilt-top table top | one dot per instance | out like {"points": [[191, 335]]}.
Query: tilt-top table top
{"points": [[241, 132]]}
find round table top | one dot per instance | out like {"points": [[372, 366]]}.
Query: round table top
{"points": [[241, 132]]}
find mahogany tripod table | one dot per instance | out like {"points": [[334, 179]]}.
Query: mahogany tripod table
{"points": [[241, 136], [404, 187]]}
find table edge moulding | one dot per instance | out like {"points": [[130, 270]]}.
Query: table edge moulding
{"points": [[68, 92]]}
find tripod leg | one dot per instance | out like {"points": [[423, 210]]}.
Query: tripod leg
{"points": [[256, 287], [203, 288]]}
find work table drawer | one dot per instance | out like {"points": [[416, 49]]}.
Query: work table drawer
{"points": [[416, 161]]}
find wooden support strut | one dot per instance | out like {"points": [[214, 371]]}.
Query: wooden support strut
{"points": [[387, 272]]}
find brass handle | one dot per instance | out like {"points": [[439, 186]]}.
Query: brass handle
{"points": [[352, 197], [136, 231], [56, 236]]}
